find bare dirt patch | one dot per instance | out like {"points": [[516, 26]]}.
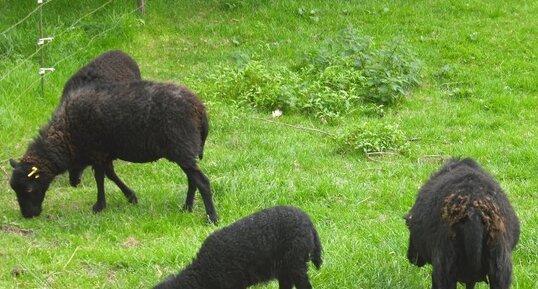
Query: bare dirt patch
{"points": [[15, 230]]}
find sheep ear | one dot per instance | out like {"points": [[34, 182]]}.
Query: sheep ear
{"points": [[13, 163]]}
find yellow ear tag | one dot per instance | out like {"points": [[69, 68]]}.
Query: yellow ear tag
{"points": [[34, 170]]}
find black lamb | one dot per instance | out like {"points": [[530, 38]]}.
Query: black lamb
{"points": [[138, 121], [274, 243], [463, 224], [111, 66]]}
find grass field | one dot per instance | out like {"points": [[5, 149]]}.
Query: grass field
{"points": [[477, 97]]}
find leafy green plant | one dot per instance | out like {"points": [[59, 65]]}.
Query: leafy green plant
{"points": [[391, 72], [370, 137], [311, 14], [255, 84], [460, 92], [342, 76], [387, 72]]}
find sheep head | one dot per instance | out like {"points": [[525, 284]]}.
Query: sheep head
{"points": [[30, 184]]}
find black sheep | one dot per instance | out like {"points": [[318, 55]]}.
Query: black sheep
{"points": [[463, 224], [138, 121], [111, 66], [274, 243]]}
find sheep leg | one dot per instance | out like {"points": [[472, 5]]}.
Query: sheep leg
{"points": [[434, 283], [469, 285], [500, 267], [195, 175], [75, 175], [444, 267], [111, 174], [284, 281], [295, 269], [300, 278], [189, 203], [99, 174], [442, 280]]}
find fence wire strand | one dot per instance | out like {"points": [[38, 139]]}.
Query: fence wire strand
{"points": [[84, 16], [24, 19], [32, 85], [7, 74], [24, 61], [95, 37]]}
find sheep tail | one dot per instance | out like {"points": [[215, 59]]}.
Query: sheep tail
{"points": [[316, 253], [204, 132], [473, 239]]}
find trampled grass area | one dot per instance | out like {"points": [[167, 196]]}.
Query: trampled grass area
{"points": [[477, 98]]}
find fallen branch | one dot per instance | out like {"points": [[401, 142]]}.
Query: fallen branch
{"points": [[362, 201], [452, 83], [438, 158], [294, 126], [370, 155]]}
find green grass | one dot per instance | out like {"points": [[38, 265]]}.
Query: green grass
{"points": [[478, 98]]}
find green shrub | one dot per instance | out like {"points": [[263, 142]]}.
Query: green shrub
{"points": [[257, 85], [340, 77], [387, 73]]}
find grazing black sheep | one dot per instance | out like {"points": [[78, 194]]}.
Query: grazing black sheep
{"points": [[138, 121], [463, 224], [274, 243], [111, 66]]}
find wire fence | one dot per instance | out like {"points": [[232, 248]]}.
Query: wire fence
{"points": [[82, 18], [59, 35], [21, 63], [45, 41], [24, 18], [102, 33], [29, 87]]}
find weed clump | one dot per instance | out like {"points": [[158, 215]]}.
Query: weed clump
{"points": [[254, 84], [345, 75], [386, 73], [373, 138]]}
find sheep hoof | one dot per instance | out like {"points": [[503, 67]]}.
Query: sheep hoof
{"points": [[75, 176], [187, 208], [212, 219], [74, 182], [98, 207], [133, 199]]}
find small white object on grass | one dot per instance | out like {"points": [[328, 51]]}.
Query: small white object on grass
{"points": [[276, 113]]}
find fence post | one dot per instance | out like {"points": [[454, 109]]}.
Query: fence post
{"points": [[42, 40], [141, 6], [42, 62]]}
